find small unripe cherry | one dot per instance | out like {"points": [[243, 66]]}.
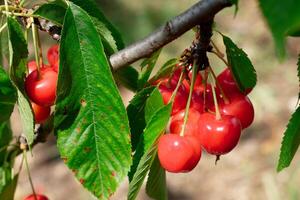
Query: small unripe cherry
{"points": [[41, 113], [178, 154], [219, 136], [38, 197], [42, 90]]}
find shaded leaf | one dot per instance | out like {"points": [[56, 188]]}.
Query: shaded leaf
{"points": [[240, 65], [17, 73], [146, 150], [8, 96], [90, 119], [128, 77], [153, 104], [136, 115], [5, 138], [53, 11], [282, 17], [8, 191], [156, 186], [147, 66], [290, 141]]}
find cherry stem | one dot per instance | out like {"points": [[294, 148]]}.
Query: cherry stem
{"points": [[28, 173], [217, 49], [205, 86], [177, 87], [226, 100], [38, 58], [187, 108], [218, 115], [217, 159], [220, 56]]}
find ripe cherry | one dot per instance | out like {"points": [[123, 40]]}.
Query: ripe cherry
{"points": [[41, 113], [180, 99], [191, 128], [31, 65], [177, 153], [38, 197], [241, 107], [219, 136], [42, 90], [53, 54], [228, 83]]}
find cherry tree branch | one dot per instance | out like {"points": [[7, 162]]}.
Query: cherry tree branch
{"points": [[201, 12]]}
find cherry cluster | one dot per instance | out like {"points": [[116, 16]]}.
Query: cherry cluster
{"points": [[217, 113], [40, 85]]}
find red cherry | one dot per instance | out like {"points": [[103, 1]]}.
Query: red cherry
{"points": [[180, 99], [178, 154], [241, 107], [38, 197], [228, 83], [53, 54], [219, 136], [41, 113], [191, 128], [198, 81], [55, 66], [31, 65], [42, 91]]}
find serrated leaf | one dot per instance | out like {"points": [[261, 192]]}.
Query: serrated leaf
{"points": [[93, 10], [153, 104], [5, 138], [240, 65], [281, 16], [136, 115], [53, 11], [156, 186], [8, 191], [128, 77], [165, 70], [90, 119], [146, 150], [147, 66], [290, 141], [17, 73], [7, 96]]}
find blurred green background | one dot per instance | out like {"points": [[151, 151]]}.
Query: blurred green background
{"points": [[248, 172]]}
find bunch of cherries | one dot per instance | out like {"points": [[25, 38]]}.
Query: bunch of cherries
{"points": [[40, 85], [212, 120]]}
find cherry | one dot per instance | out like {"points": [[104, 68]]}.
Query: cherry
{"points": [[38, 197], [180, 99], [178, 154], [241, 107], [191, 128], [42, 90], [219, 136], [228, 83], [31, 65], [53, 54], [41, 113]]}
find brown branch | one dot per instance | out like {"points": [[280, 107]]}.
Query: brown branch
{"points": [[201, 12]]}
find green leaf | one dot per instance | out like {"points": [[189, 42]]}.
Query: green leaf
{"points": [[156, 186], [290, 141], [298, 70], [153, 104], [282, 17], [5, 138], [8, 191], [17, 72], [128, 77], [90, 119], [147, 66], [53, 11], [146, 150], [240, 65], [236, 3], [93, 10], [4, 49], [7, 96], [165, 70], [136, 115]]}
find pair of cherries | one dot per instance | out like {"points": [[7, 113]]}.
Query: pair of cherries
{"points": [[40, 86], [204, 129]]}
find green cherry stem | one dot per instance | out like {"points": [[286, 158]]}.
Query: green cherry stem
{"points": [[28, 173], [187, 108], [35, 36], [226, 100], [213, 85], [220, 56], [177, 87], [217, 49]]}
